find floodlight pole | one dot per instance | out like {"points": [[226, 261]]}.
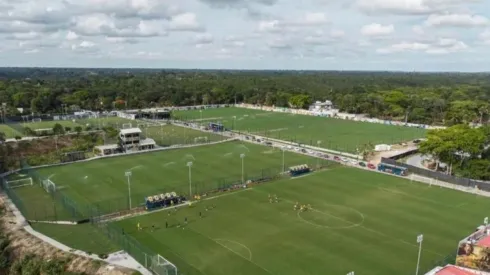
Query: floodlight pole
{"points": [[420, 239], [189, 164], [128, 174], [318, 159], [283, 164], [242, 156], [200, 123]]}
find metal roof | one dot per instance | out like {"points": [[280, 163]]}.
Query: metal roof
{"points": [[107, 147], [130, 131]]}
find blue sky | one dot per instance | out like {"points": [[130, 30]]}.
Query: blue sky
{"points": [[408, 35]]}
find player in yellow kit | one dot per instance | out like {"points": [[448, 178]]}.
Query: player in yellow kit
{"points": [[138, 226]]}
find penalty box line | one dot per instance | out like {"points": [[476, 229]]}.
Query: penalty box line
{"points": [[363, 227]]}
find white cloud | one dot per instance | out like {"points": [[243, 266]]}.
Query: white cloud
{"points": [[32, 35], [456, 20], [185, 22], [270, 26], [408, 7], [441, 46], [313, 19], [87, 44], [377, 30], [203, 38], [71, 36], [485, 36]]}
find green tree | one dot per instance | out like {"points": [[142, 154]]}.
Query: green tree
{"points": [[2, 137], [58, 129], [301, 101], [78, 130]]}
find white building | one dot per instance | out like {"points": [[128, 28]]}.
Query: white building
{"points": [[321, 106], [130, 140]]}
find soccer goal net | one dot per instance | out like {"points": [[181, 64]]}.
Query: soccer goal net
{"points": [[18, 183], [48, 185], [161, 266], [36, 120], [200, 139]]}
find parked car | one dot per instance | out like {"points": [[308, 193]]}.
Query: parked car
{"points": [[325, 156], [371, 166], [336, 158], [344, 159], [362, 164]]}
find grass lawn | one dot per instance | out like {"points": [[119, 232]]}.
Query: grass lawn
{"points": [[115, 122], [103, 181], [360, 221], [9, 131], [166, 135], [81, 237], [336, 134]]}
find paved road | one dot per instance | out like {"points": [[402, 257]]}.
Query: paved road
{"points": [[416, 160]]}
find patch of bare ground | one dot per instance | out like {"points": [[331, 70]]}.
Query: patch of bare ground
{"points": [[396, 149], [22, 243]]}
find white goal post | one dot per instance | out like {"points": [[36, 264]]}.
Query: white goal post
{"points": [[36, 120], [48, 185], [127, 125], [162, 266], [18, 183]]}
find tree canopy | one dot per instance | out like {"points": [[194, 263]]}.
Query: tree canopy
{"points": [[437, 98]]}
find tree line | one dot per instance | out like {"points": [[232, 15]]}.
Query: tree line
{"points": [[441, 99], [464, 150]]}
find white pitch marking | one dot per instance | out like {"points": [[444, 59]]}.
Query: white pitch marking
{"points": [[240, 244]]}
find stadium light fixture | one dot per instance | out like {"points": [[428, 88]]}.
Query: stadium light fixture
{"points": [[128, 174], [189, 164], [420, 239], [242, 156]]}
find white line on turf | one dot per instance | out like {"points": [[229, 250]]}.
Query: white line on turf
{"points": [[227, 248], [226, 194], [240, 244], [368, 229]]}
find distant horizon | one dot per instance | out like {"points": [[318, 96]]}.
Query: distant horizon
{"points": [[251, 70]]}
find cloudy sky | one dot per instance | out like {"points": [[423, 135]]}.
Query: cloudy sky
{"points": [[409, 35]]}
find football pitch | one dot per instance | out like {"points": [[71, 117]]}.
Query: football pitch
{"points": [[336, 134], [103, 182], [17, 129], [360, 221]]}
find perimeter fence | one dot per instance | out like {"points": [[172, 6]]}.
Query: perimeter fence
{"points": [[38, 203]]}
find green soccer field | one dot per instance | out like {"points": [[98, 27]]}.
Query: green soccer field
{"points": [[103, 183], [336, 134], [360, 221], [9, 131], [166, 135]]}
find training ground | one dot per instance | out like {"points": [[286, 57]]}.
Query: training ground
{"points": [[336, 134], [360, 220]]}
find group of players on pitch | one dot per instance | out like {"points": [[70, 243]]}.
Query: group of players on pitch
{"points": [[297, 206], [272, 199]]}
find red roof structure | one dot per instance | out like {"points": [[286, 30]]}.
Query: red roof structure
{"points": [[454, 270], [485, 242]]}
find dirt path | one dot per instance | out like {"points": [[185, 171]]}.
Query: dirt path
{"points": [[23, 243]]}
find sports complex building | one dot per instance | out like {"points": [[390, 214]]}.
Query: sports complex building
{"points": [[244, 191]]}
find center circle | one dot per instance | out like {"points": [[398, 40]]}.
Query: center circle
{"points": [[332, 216]]}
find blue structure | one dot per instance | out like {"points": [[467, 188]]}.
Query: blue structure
{"points": [[392, 169], [163, 200], [217, 127], [299, 170]]}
